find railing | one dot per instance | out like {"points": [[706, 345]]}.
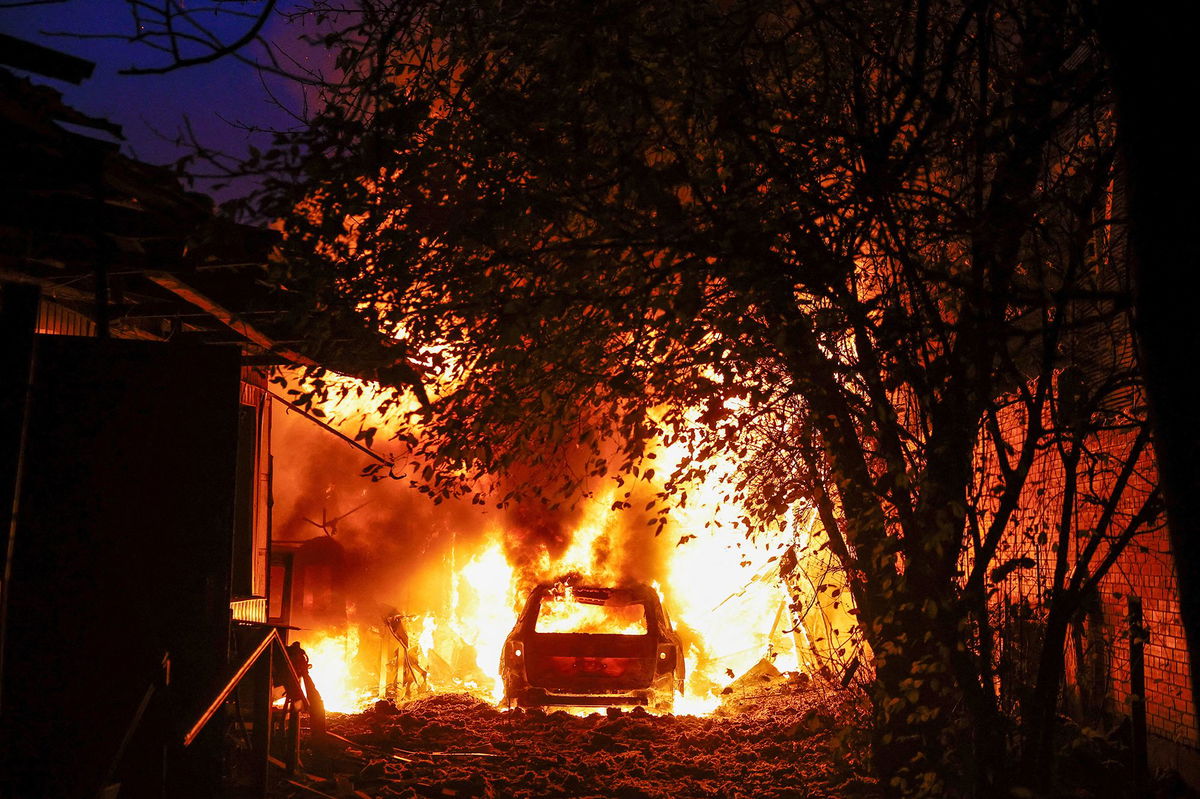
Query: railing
{"points": [[252, 609], [293, 685]]}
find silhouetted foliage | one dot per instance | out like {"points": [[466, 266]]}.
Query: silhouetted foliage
{"points": [[843, 244]]}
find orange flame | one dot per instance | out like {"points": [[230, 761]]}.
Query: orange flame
{"points": [[560, 613], [331, 661], [722, 591]]}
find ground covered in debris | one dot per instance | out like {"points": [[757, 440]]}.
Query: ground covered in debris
{"points": [[783, 743]]}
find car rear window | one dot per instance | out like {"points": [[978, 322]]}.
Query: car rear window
{"points": [[564, 610]]}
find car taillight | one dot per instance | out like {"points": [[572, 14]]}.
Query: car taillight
{"points": [[517, 649], [666, 658]]}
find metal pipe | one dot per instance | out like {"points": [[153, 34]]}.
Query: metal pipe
{"points": [[357, 445]]}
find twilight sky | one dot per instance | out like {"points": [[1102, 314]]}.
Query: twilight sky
{"points": [[213, 96]]}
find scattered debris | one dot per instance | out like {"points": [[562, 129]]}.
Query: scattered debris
{"points": [[782, 742]]}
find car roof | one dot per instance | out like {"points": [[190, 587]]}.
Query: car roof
{"points": [[640, 591]]}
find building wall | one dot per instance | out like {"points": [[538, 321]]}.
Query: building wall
{"points": [[1097, 368], [252, 533], [120, 566], [1097, 687], [1148, 572], [254, 497]]}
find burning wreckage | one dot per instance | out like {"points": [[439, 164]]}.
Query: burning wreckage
{"points": [[572, 645], [586, 645]]}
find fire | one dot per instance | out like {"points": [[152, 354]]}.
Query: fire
{"points": [[351, 404], [331, 661], [726, 589], [722, 591], [483, 613], [561, 613], [739, 615]]}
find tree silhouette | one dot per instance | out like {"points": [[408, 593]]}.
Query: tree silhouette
{"points": [[845, 245]]}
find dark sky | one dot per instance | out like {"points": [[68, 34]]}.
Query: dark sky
{"points": [[214, 96]]}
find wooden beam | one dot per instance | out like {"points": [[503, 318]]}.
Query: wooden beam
{"points": [[263, 646], [44, 61], [327, 426], [231, 320]]}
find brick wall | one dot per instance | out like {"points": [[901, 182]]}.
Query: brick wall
{"points": [[1096, 687], [1148, 572]]}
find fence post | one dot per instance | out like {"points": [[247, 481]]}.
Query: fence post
{"points": [[1138, 636]]}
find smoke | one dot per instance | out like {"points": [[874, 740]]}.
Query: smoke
{"points": [[460, 571], [532, 534], [401, 550], [395, 540]]}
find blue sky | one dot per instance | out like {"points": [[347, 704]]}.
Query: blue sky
{"points": [[213, 95]]}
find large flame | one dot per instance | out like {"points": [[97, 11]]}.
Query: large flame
{"points": [[483, 613], [331, 662], [721, 589], [561, 613]]}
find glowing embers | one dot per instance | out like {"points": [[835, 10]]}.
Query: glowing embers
{"points": [[566, 609]]}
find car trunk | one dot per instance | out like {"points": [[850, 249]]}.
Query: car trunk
{"points": [[590, 663]]}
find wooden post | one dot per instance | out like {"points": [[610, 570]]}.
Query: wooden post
{"points": [[262, 722], [103, 257], [18, 320], [1138, 636], [383, 658], [293, 736]]}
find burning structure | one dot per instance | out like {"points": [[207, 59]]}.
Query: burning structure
{"points": [[458, 574]]}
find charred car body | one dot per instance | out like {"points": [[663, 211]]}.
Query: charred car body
{"points": [[589, 645]]}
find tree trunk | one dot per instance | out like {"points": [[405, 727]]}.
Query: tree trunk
{"points": [[1040, 719], [986, 765], [1153, 58], [919, 731]]}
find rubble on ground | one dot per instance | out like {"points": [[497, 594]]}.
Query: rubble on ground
{"points": [[785, 741]]}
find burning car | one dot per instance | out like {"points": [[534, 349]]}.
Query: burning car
{"points": [[588, 645]]}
